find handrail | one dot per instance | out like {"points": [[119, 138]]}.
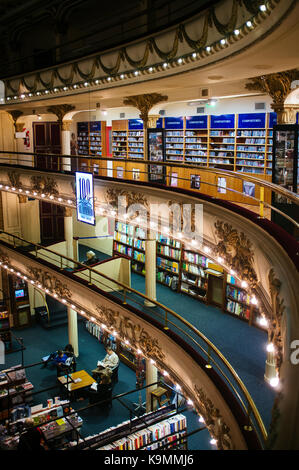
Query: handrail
{"points": [[211, 347], [238, 175]]}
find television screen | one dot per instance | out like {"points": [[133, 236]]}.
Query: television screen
{"points": [[19, 293]]}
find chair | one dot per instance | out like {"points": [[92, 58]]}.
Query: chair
{"points": [[104, 393], [114, 377]]}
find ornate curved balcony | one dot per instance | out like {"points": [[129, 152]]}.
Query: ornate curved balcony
{"points": [[257, 250], [221, 32]]}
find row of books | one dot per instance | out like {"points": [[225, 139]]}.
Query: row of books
{"points": [[167, 251], [195, 280], [118, 236], [139, 244], [172, 266], [166, 278], [124, 250], [99, 333], [168, 241], [238, 294], [251, 133], [124, 228], [139, 256], [148, 436], [138, 268], [196, 258], [194, 291], [192, 268], [250, 148], [238, 309]]}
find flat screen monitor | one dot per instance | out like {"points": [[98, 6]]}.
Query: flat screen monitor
{"points": [[19, 293]]}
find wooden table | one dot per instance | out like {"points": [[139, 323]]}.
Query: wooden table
{"points": [[86, 380]]}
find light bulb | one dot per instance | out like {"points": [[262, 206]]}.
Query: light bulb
{"points": [[244, 284], [223, 41], [86, 84], [139, 351], [122, 76], [194, 55], [150, 69], [219, 259], [136, 73], [152, 361], [109, 79], [213, 442], [201, 420], [180, 60], [263, 321], [189, 402], [237, 32], [249, 24], [270, 347], [263, 7], [46, 91], [165, 65], [274, 382], [207, 249]]}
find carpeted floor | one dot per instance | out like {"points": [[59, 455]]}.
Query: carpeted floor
{"points": [[40, 342], [243, 346]]}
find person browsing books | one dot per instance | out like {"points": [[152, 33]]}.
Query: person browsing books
{"points": [[91, 258]]}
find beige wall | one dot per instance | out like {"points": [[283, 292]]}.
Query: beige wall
{"points": [[100, 229]]}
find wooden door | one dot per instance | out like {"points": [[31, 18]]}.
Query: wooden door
{"points": [[51, 222], [47, 139]]}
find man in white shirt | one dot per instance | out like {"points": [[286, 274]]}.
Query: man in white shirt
{"points": [[109, 363]]}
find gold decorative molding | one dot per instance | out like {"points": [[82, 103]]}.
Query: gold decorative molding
{"points": [[19, 126], [144, 104], [47, 184], [128, 330], [152, 120], [22, 198], [208, 25], [60, 110], [112, 195], [278, 309], [14, 178], [66, 125], [15, 114], [4, 258], [273, 429], [214, 421], [276, 85], [68, 212], [49, 281], [237, 251]]}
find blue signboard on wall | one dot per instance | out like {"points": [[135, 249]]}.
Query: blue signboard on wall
{"points": [[85, 198], [225, 121], [135, 124], [272, 120], [159, 123], [174, 123], [82, 126], [95, 126], [252, 121], [196, 122]]}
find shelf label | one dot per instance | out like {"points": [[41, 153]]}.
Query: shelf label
{"points": [[85, 198], [225, 121], [135, 124], [95, 126], [252, 121], [82, 126], [174, 123], [272, 120], [196, 122]]}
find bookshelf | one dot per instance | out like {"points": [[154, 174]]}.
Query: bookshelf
{"points": [[168, 261], [221, 147], [193, 275], [174, 139], [141, 432], [186, 271], [15, 389], [91, 140], [135, 139], [196, 140]]}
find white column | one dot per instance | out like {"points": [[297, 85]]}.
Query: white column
{"points": [[150, 268], [73, 329], [68, 233], [66, 144], [151, 377]]}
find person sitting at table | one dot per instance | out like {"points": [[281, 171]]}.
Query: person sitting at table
{"points": [[109, 362], [55, 358], [91, 258]]}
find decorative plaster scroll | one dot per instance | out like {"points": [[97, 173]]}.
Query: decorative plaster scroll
{"points": [[134, 332], [144, 103], [276, 317], [4, 258], [47, 184], [214, 421], [208, 26], [14, 178], [112, 195], [237, 251], [50, 282], [60, 111], [278, 86]]}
